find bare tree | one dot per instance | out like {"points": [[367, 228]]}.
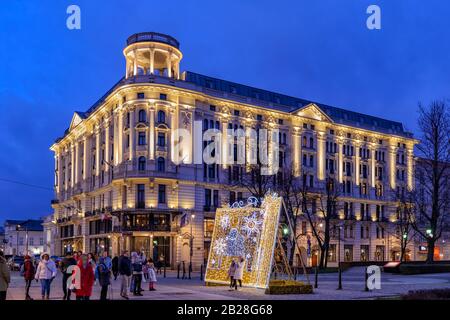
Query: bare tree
{"points": [[432, 200], [404, 231], [251, 179]]}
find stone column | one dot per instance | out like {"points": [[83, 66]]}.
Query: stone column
{"points": [[169, 65], [224, 143], [97, 150], [107, 147], [410, 167], [341, 161], [77, 162], [67, 173], [132, 132], [72, 167], [151, 138], [173, 126], [120, 144], [321, 155], [86, 153], [135, 63], [357, 145], [372, 164], [391, 166], [152, 59]]}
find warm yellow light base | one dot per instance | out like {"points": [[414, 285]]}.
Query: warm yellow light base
{"points": [[258, 247]]}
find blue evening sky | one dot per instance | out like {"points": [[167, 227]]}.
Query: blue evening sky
{"points": [[319, 50]]}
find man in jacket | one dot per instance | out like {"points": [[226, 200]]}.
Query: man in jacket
{"points": [[136, 265], [65, 264], [125, 274], [104, 277], [5, 277]]}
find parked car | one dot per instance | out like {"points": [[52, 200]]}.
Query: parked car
{"points": [[15, 263]]}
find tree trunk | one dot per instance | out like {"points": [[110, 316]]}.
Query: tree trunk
{"points": [[430, 253]]}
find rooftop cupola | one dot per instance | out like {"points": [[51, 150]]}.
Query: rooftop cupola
{"points": [[152, 53]]}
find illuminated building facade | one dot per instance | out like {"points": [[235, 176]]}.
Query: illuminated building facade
{"points": [[117, 186]]}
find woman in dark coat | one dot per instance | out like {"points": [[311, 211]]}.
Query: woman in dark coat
{"points": [[115, 267], [104, 278], [28, 275]]}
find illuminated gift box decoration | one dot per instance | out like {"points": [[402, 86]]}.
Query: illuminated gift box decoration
{"points": [[248, 231]]}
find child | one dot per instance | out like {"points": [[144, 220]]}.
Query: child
{"points": [[151, 275]]}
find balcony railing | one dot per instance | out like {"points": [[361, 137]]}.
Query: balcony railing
{"points": [[142, 228], [153, 36]]}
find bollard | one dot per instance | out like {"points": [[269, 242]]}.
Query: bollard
{"points": [[184, 271], [201, 272], [164, 269], [340, 279], [366, 276], [190, 270], [316, 277], [178, 271]]}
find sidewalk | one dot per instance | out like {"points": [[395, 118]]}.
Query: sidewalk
{"points": [[171, 288]]}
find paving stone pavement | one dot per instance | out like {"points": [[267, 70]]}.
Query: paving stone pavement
{"points": [[171, 288]]}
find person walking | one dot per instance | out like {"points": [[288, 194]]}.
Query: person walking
{"points": [[125, 271], [136, 265], [65, 265], [85, 278], [115, 267], [28, 271], [239, 273], [103, 272], [231, 272], [151, 274], [5, 277], [45, 273]]}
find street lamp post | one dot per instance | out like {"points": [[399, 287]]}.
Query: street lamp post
{"points": [[191, 253], [339, 259]]}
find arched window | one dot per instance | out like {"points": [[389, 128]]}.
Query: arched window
{"points": [[141, 163], [142, 116], [161, 116], [161, 164]]}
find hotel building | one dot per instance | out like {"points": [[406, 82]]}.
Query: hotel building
{"points": [[117, 185]]}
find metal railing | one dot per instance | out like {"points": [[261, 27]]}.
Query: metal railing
{"points": [[153, 36]]}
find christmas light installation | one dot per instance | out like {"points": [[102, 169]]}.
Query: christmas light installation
{"points": [[245, 230]]}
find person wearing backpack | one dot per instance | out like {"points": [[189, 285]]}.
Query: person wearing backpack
{"points": [[27, 271], [104, 277]]}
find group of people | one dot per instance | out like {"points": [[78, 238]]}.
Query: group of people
{"points": [[80, 272], [236, 273], [133, 271]]}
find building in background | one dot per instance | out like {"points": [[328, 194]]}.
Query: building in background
{"points": [[24, 237], [117, 185], [49, 231], [2, 239]]}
